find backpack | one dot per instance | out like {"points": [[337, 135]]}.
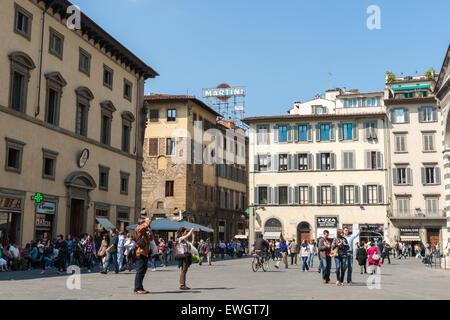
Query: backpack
{"points": [[181, 250]]}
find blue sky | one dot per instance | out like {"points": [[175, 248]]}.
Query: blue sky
{"points": [[281, 50]]}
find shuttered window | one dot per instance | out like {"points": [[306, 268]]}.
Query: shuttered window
{"points": [[400, 143], [428, 142], [432, 207], [153, 147], [348, 160], [403, 207]]}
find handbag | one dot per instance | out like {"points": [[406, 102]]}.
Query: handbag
{"points": [[141, 243], [376, 256], [334, 252]]}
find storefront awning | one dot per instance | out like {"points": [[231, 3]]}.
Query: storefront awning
{"points": [[241, 236], [409, 238], [411, 87], [272, 235], [197, 227], [106, 223]]}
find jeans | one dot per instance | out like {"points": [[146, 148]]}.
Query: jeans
{"points": [[153, 261], [46, 262], [341, 266], [325, 266], [277, 253], [305, 263], [129, 259], [311, 260], [222, 253], [349, 267], [386, 256], [89, 261], [111, 255], [293, 258], [120, 259], [141, 269]]}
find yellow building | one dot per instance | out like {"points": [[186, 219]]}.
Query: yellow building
{"points": [[71, 124]]}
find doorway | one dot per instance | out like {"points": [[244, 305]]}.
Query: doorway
{"points": [[303, 232], [76, 217], [433, 237]]}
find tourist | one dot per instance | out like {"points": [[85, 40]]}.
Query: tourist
{"points": [[428, 254], [438, 250], [69, 255], [350, 239], [222, 247], [143, 234], [121, 250], [324, 247], [60, 260], [304, 253], [342, 246], [361, 257], [28, 260], [182, 241], [374, 258], [385, 252], [208, 251], [102, 250], [78, 257], [293, 246], [201, 251], [283, 253], [130, 251], [89, 253], [47, 251], [312, 253], [111, 252], [277, 249]]}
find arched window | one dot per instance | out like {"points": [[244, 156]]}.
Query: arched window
{"points": [[21, 65], [84, 96], [273, 225]]}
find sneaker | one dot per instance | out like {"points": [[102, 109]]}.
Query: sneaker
{"points": [[89, 270], [154, 269], [43, 272], [338, 283], [350, 282]]}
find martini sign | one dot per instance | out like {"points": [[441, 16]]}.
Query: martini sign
{"points": [[224, 92]]}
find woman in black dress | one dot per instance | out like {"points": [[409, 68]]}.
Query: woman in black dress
{"points": [[361, 257]]}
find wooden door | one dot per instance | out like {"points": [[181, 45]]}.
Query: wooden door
{"points": [[305, 235], [433, 237], [76, 217]]}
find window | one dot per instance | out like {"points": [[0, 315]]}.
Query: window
{"points": [[283, 162], [370, 129], [52, 107], [108, 77], [171, 115], [303, 196], [127, 120], [49, 164], [347, 131], [372, 102], [103, 177], [348, 160], [325, 194], [399, 116], [263, 196], [154, 115], [169, 188], [153, 147], [18, 91], [22, 22], [263, 162], [124, 178], [431, 175], [127, 89], [374, 160], [262, 134], [403, 207], [426, 114], [352, 103], [55, 83], [372, 194], [302, 133], [402, 176], [170, 146], [56, 43], [400, 142], [107, 110], [303, 161], [349, 194], [81, 121], [428, 142], [84, 63], [21, 65], [283, 195], [325, 161], [432, 207], [319, 109], [282, 133], [14, 152], [324, 132]]}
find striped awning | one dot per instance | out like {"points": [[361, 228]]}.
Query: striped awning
{"points": [[409, 238], [272, 235], [411, 87]]}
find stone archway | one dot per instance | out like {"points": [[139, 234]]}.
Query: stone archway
{"points": [[303, 231], [78, 184]]}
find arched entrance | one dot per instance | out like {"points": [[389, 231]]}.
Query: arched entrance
{"points": [[78, 184], [303, 231], [273, 227]]}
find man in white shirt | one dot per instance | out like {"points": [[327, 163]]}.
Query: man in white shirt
{"points": [[350, 239], [15, 255]]}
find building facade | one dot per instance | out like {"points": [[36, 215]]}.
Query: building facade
{"points": [[71, 114], [442, 90], [417, 199], [322, 166], [182, 178]]}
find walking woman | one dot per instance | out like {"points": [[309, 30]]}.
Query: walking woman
{"points": [[182, 236], [46, 259], [374, 258], [304, 253], [89, 253], [102, 251], [77, 252], [130, 247], [208, 251], [361, 257], [69, 243]]}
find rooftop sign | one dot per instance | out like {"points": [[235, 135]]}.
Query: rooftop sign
{"points": [[224, 92]]}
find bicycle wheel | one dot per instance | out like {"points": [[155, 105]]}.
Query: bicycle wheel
{"points": [[255, 264], [265, 265]]}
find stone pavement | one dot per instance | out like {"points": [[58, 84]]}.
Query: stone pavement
{"points": [[233, 279]]}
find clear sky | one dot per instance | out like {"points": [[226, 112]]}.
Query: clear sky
{"points": [[282, 50]]}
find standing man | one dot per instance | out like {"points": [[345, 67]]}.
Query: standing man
{"points": [[324, 247], [385, 252], [121, 250], [283, 252], [143, 234], [293, 246], [350, 239], [111, 252]]}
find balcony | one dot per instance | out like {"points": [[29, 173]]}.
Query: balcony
{"points": [[346, 111], [415, 214]]}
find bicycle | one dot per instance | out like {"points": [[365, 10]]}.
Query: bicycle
{"points": [[260, 260]]}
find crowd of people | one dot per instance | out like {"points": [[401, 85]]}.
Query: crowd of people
{"points": [[369, 256]]}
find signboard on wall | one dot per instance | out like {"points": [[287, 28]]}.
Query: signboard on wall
{"points": [[46, 207], [409, 231], [10, 203], [329, 223]]}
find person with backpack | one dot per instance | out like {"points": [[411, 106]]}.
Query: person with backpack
{"points": [[324, 247], [201, 251], [143, 235], [361, 257], [183, 254], [374, 258]]}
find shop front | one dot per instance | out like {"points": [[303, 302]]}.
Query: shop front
{"points": [[11, 212], [371, 233], [45, 219], [123, 219]]}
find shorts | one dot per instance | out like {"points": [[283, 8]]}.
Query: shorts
{"points": [[3, 262], [209, 255]]}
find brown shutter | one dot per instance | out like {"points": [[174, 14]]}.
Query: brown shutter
{"points": [[153, 147]]}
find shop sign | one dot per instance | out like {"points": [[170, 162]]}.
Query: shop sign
{"points": [[10, 203], [46, 207], [83, 158], [327, 222], [409, 231], [42, 223]]}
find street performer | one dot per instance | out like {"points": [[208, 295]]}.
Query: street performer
{"points": [[143, 235]]}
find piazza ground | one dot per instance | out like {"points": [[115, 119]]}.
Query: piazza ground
{"points": [[232, 279]]}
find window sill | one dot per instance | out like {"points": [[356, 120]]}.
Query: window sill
{"points": [[429, 151], [15, 170], [52, 178]]}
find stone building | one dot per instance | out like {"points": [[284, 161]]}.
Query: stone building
{"points": [[179, 182], [71, 124]]}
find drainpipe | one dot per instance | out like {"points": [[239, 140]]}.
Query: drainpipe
{"points": [[41, 52]]}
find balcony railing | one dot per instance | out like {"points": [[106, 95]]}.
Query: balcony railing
{"points": [[359, 110], [414, 214]]}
